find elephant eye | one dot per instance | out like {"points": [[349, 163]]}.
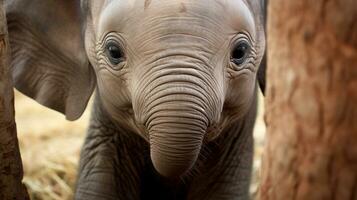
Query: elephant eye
{"points": [[240, 53], [114, 53]]}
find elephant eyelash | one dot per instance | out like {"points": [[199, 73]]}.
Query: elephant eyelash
{"points": [[111, 36], [246, 35]]}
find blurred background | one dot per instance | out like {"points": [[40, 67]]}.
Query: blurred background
{"points": [[50, 148]]}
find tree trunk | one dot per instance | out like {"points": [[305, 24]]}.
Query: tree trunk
{"points": [[311, 100], [11, 173]]}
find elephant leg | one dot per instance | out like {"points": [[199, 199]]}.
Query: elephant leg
{"points": [[111, 164]]}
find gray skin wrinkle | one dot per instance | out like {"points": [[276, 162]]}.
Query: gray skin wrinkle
{"points": [[172, 120]]}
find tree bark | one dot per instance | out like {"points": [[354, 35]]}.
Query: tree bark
{"points": [[311, 100], [11, 173]]}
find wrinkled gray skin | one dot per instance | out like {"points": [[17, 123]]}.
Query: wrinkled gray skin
{"points": [[175, 103]]}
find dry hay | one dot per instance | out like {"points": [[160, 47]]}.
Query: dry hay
{"points": [[50, 148]]}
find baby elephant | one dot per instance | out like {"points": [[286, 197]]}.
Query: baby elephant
{"points": [[176, 84]]}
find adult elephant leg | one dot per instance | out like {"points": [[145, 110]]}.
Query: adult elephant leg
{"points": [[227, 172], [111, 162]]}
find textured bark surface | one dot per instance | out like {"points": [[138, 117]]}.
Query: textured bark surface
{"points": [[311, 112], [11, 172]]}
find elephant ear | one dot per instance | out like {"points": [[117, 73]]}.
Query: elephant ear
{"points": [[262, 68], [49, 63], [261, 74]]}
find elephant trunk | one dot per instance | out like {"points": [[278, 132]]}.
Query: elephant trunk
{"points": [[177, 107], [176, 134]]}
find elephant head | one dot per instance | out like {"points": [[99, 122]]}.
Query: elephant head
{"points": [[175, 72]]}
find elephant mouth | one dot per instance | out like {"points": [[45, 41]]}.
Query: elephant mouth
{"points": [[213, 131]]}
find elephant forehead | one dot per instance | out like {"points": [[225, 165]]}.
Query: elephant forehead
{"points": [[206, 18]]}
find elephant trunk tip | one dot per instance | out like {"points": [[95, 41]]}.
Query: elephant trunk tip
{"points": [[172, 168]]}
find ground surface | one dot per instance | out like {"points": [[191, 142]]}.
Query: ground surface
{"points": [[50, 148]]}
